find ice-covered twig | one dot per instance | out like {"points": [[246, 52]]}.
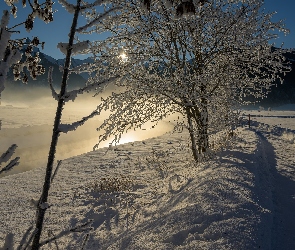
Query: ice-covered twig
{"points": [[81, 228], [5, 57], [97, 20], [85, 67], [4, 34], [91, 5], [53, 92], [50, 70], [65, 128], [69, 7], [78, 48], [72, 95]]}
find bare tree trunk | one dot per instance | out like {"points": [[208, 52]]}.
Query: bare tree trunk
{"points": [[202, 121], [191, 132], [55, 134]]}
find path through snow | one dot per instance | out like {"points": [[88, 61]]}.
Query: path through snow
{"points": [[279, 152]]}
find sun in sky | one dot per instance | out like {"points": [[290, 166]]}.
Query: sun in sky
{"points": [[123, 57]]}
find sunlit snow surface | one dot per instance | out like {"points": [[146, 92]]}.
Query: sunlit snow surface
{"points": [[242, 199]]}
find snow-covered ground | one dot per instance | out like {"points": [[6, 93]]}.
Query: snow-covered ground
{"points": [[244, 198]]}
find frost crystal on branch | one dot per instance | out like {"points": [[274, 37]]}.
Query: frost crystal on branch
{"points": [[65, 128], [62, 47], [69, 7], [97, 19], [78, 48]]}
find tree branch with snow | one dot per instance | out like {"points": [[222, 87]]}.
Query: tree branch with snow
{"points": [[201, 67]]}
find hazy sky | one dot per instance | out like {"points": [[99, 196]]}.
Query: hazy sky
{"points": [[57, 31]]}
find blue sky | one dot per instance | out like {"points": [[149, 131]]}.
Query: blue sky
{"points": [[57, 31]]}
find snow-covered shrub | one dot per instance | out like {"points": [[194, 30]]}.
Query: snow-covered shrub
{"points": [[222, 140], [288, 137], [114, 184], [111, 199], [158, 160]]}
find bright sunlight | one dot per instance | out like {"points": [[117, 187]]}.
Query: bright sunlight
{"points": [[123, 57]]}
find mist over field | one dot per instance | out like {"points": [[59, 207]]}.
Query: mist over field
{"points": [[27, 120]]}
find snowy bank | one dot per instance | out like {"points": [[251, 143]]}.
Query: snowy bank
{"points": [[161, 200]]}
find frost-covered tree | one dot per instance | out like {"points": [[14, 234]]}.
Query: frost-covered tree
{"points": [[195, 58], [10, 49], [72, 47], [11, 56]]}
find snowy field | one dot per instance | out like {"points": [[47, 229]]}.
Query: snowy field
{"points": [[283, 116], [244, 198]]}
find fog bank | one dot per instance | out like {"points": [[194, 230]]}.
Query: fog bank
{"points": [[27, 120]]}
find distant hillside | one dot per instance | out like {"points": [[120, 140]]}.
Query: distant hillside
{"points": [[282, 93], [279, 95]]}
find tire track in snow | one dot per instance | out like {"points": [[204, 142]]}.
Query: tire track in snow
{"points": [[264, 181], [283, 228]]}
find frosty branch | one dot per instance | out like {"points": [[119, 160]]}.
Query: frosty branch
{"points": [[10, 52]]}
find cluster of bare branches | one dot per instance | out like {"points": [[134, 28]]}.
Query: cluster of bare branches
{"points": [[11, 54]]}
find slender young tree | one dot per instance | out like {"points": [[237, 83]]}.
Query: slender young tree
{"points": [[195, 58], [69, 49], [10, 55]]}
